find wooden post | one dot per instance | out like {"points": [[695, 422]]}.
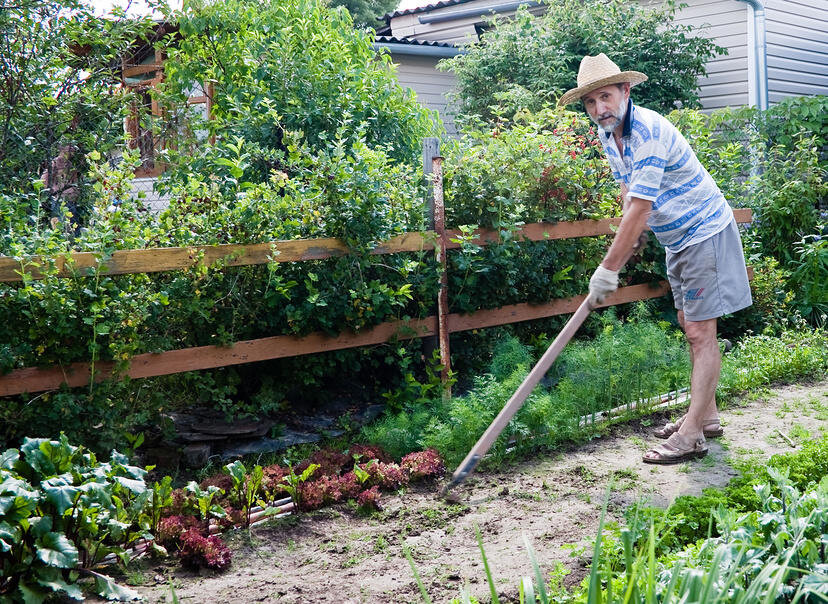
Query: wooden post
{"points": [[431, 149], [442, 293]]}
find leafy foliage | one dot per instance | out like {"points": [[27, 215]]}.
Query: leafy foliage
{"points": [[615, 369], [528, 62], [62, 511], [198, 551], [367, 13], [276, 67]]}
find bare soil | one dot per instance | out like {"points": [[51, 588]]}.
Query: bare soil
{"points": [[333, 555]]}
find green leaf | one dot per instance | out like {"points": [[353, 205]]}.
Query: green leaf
{"points": [[9, 535], [55, 549], [32, 594], [111, 590], [52, 578], [136, 486], [9, 458], [60, 492]]}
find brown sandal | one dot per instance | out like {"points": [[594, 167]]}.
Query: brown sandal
{"points": [[676, 450], [711, 428]]}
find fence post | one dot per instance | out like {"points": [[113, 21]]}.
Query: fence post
{"points": [[442, 293], [431, 149]]}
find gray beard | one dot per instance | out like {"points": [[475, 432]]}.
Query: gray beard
{"points": [[611, 126]]}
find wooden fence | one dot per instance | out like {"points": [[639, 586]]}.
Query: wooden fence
{"points": [[37, 379]]}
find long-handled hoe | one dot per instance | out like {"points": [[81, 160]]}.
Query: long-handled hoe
{"points": [[485, 442]]}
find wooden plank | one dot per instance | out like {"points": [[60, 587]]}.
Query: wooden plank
{"points": [[516, 313], [176, 258], [33, 379], [141, 69]]}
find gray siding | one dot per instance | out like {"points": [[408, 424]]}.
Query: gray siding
{"points": [[726, 23], [431, 86], [797, 33]]}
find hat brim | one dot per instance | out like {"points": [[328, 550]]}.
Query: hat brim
{"points": [[570, 96]]}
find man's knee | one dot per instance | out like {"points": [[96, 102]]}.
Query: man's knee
{"points": [[700, 333]]}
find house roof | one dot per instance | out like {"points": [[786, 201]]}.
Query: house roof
{"points": [[415, 6], [413, 42], [422, 48]]}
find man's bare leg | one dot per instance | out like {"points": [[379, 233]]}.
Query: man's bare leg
{"points": [[706, 365]]}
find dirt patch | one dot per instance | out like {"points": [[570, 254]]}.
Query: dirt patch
{"points": [[334, 556]]}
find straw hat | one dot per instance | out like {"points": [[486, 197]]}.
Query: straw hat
{"points": [[596, 72]]}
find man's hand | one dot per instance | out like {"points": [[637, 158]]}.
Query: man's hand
{"points": [[602, 283]]}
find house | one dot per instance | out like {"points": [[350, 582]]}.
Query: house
{"points": [[776, 48]]}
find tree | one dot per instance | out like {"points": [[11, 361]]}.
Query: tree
{"points": [[529, 61], [274, 67], [366, 13], [59, 94]]}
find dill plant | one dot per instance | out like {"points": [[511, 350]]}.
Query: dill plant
{"points": [[626, 362]]}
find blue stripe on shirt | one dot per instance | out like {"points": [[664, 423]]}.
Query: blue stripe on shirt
{"points": [[692, 231], [680, 163], [681, 190], [653, 160], [684, 219]]}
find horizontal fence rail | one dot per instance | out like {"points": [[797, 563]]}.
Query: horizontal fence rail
{"points": [[155, 260], [36, 379]]}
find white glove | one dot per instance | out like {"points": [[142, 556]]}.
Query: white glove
{"points": [[602, 283]]}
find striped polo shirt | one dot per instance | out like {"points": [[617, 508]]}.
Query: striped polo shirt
{"points": [[658, 165]]}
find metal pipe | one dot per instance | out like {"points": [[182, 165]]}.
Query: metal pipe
{"points": [[477, 12], [760, 54]]}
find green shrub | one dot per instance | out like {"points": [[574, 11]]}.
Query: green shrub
{"points": [[277, 67], [526, 62], [615, 369], [60, 63], [809, 276]]}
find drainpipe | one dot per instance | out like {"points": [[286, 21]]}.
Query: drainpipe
{"points": [[760, 55]]}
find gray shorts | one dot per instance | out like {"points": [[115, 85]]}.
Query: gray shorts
{"points": [[709, 279]]}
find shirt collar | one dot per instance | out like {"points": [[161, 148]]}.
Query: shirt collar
{"points": [[627, 123]]}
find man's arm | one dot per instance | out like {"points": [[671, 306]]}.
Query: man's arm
{"points": [[633, 223], [604, 280], [625, 201]]}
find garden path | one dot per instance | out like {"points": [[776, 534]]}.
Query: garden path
{"points": [[334, 556]]}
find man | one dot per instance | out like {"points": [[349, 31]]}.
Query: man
{"points": [[665, 188]]}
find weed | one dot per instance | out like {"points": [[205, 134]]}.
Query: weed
{"points": [[639, 443], [527, 495], [380, 544], [799, 434]]}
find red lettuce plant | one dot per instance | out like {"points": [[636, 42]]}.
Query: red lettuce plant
{"points": [[198, 551], [362, 452], [171, 528], [349, 486], [423, 464], [330, 461], [369, 500]]}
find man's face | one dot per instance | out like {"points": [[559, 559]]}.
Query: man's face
{"points": [[607, 105]]}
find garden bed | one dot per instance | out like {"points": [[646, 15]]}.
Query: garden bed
{"points": [[333, 555]]}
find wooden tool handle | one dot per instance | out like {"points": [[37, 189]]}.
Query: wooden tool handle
{"points": [[521, 394]]}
